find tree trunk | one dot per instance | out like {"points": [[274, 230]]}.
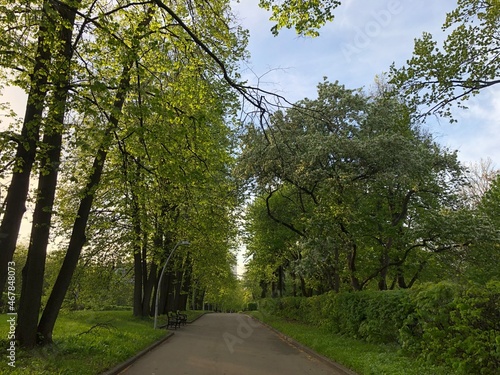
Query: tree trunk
{"points": [[166, 293], [401, 279], [148, 290], [139, 271], [186, 285], [78, 239], [281, 280], [336, 274], [70, 262], [351, 262], [15, 201], [303, 288], [137, 300], [33, 272], [177, 290], [384, 262]]}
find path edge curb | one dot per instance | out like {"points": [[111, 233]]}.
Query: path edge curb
{"points": [[311, 352], [122, 366]]}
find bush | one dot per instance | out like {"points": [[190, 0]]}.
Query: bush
{"points": [[373, 316], [440, 323], [252, 306], [457, 326]]}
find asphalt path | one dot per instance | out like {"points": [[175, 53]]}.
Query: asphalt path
{"points": [[229, 344]]}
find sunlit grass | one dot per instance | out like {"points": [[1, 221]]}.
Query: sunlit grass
{"points": [[85, 343], [362, 357]]}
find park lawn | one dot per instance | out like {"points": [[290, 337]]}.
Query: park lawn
{"points": [[361, 357], [85, 343]]}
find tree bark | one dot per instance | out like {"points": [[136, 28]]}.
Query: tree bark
{"points": [[78, 239], [148, 289], [15, 201], [33, 272], [137, 300], [384, 264], [140, 274]]}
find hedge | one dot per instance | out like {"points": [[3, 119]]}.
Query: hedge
{"points": [[438, 323]]}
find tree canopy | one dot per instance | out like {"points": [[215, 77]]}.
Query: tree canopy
{"points": [[366, 196], [438, 77]]}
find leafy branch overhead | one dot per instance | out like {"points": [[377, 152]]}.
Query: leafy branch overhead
{"points": [[306, 16], [438, 77]]}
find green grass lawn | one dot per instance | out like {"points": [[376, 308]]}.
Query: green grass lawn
{"points": [[85, 343], [362, 357]]}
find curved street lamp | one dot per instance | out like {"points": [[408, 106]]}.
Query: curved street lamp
{"points": [[161, 278]]}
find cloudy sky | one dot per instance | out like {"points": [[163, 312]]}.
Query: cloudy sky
{"points": [[365, 38]]}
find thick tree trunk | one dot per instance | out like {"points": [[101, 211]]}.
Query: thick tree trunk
{"points": [[281, 280], [15, 201], [140, 273], [303, 288], [351, 265], [33, 272], [78, 239], [148, 289], [137, 300], [177, 291], [401, 279], [34, 269], [166, 293], [186, 285]]}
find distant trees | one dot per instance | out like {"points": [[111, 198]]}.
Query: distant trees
{"points": [[364, 196]]}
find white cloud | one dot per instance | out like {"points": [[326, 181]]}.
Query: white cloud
{"points": [[476, 136]]}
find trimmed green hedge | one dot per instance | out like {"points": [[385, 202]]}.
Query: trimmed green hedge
{"points": [[371, 316], [439, 323], [457, 326]]}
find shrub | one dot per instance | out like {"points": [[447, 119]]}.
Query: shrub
{"points": [[440, 323], [252, 306], [457, 326]]}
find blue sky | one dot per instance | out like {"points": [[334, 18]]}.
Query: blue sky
{"points": [[365, 38]]}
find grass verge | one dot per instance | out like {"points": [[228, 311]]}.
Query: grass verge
{"points": [[362, 357], [85, 343]]}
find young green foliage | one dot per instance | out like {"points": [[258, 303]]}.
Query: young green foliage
{"points": [[305, 16], [438, 77]]}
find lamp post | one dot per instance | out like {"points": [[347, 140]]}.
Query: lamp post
{"points": [[161, 278]]}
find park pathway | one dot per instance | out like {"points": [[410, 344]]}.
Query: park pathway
{"points": [[228, 344]]}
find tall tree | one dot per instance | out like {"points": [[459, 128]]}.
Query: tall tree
{"points": [[33, 273], [78, 239], [13, 46], [161, 138], [377, 186]]}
